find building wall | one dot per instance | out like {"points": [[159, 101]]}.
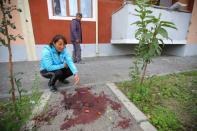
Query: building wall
{"points": [[105, 9], [18, 47], [124, 33], [192, 35], [44, 29], [17, 21]]}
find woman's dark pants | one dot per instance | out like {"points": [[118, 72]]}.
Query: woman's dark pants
{"points": [[56, 75]]}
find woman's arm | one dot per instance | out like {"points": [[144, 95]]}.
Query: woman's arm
{"points": [[69, 62]]}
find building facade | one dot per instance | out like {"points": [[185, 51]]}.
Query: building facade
{"points": [[40, 20]]}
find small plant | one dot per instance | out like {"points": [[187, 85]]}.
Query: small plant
{"points": [[135, 71], [14, 116], [36, 86], [168, 101], [165, 119], [19, 84], [140, 94], [150, 34]]}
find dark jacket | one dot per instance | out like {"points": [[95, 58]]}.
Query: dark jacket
{"points": [[75, 30]]}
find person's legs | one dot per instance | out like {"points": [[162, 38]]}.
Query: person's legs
{"points": [[52, 79], [74, 52], [56, 75], [78, 52], [66, 72]]}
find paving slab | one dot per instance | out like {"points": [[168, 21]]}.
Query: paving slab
{"points": [[108, 121], [97, 70]]}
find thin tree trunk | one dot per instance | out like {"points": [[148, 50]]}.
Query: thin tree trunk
{"points": [[11, 73], [10, 57], [144, 72]]}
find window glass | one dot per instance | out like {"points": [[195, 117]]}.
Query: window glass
{"points": [[73, 7], [63, 7], [86, 8], [56, 6], [67, 9]]}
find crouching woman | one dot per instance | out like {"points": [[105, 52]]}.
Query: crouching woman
{"points": [[56, 63]]}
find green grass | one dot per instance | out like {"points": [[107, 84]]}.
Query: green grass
{"points": [[12, 118], [170, 101]]}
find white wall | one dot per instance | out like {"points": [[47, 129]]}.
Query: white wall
{"points": [[88, 50], [122, 19], [18, 53], [119, 24], [181, 50], [190, 50]]}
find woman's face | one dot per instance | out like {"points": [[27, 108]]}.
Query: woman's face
{"points": [[59, 45]]}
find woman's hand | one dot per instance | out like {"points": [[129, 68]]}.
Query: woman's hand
{"points": [[77, 79]]}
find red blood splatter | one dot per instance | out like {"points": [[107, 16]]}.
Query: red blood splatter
{"points": [[88, 107], [46, 116], [114, 105], [124, 123]]}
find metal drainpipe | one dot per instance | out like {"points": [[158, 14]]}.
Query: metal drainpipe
{"points": [[97, 45]]}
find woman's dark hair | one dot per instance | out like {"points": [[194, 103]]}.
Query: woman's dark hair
{"points": [[56, 38]]}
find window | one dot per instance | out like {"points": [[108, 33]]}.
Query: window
{"points": [[67, 9], [59, 8], [85, 8]]}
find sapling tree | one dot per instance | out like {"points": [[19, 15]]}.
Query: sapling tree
{"points": [[6, 24], [150, 33]]}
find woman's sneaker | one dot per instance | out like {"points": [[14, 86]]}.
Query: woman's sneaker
{"points": [[64, 81], [53, 88]]}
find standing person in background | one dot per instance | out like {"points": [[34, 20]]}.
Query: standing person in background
{"points": [[56, 63], [76, 38]]}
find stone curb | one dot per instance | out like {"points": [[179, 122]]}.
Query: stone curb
{"points": [[175, 72], [140, 117]]}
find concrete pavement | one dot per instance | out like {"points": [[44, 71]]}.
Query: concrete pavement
{"points": [[97, 70]]}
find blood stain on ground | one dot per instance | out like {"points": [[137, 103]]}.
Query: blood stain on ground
{"points": [[46, 116], [88, 107], [124, 123]]}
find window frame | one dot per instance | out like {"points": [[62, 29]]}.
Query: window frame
{"points": [[52, 17]]}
